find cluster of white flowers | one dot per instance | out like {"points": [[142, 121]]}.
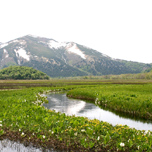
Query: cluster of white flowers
{"points": [[37, 102], [147, 132], [122, 144], [45, 92], [51, 131], [40, 99]]}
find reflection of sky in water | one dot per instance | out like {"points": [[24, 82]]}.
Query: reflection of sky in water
{"points": [[10, 146], [59, 102]]}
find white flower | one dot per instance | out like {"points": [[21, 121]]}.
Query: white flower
{"points": [[122, 144], [19, 129], [0, 125], [75, 133], [146, 132], [98, 138], [82, 130], [96, 101], [43, 136], [138, 147], [0, 121], [22, 134]]}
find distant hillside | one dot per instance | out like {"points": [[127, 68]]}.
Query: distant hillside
{"points": [[63, 59], [22, 73], [148, 70], [143, 75]]}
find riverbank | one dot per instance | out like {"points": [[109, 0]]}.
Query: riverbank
{"points": [[132, 100], [23, 118]]}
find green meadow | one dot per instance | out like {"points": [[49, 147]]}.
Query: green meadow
{"points": [[23, 118]]}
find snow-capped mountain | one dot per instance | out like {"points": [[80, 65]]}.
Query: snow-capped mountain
{"points": [[61, 59]]}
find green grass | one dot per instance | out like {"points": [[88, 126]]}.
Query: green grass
{"points": [[22, 117]]}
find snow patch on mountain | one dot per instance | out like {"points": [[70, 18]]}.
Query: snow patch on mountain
{"points": [[5, 53], [105, 55], [74, 49], [56, 45], [14, 41], [33, 36], [22, 53], [3, 45], [71, 47], [21, 42]]}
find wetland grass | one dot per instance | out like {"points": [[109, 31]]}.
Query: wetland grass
{"points": [[23, 118]]}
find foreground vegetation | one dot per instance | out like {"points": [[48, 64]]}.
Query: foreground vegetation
{"points": [[23, 118]]}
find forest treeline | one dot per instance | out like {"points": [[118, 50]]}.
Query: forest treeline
{"points": [[21, 73]]}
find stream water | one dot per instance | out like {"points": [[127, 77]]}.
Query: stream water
{"points": [[60, 102], [11, 146]]}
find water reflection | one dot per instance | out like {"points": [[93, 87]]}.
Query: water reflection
{"points": [[10, 146], [60, 103]]}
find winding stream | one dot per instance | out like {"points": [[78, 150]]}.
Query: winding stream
{"points": [[61, 103]]}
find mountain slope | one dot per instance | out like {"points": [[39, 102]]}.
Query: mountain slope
{"points": [[63, 59]]}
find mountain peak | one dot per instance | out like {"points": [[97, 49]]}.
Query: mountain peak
{"points": [[62, 59], [35, 36]]}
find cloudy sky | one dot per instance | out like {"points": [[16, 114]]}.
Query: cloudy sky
{"points": [[118, 28]]}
